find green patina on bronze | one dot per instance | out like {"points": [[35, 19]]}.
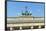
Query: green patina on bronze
{"points": [[26, 12]]}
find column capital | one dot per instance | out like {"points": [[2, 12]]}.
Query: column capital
{"points": [[31, 27], [39, 26], [20, 28], [11, 28]]}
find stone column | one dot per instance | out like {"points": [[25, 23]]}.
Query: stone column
{"points": [[20, 28], [39, 26], [11, 29], [31, 27]]}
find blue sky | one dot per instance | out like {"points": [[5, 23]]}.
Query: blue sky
{"points": [[16, 8]]}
